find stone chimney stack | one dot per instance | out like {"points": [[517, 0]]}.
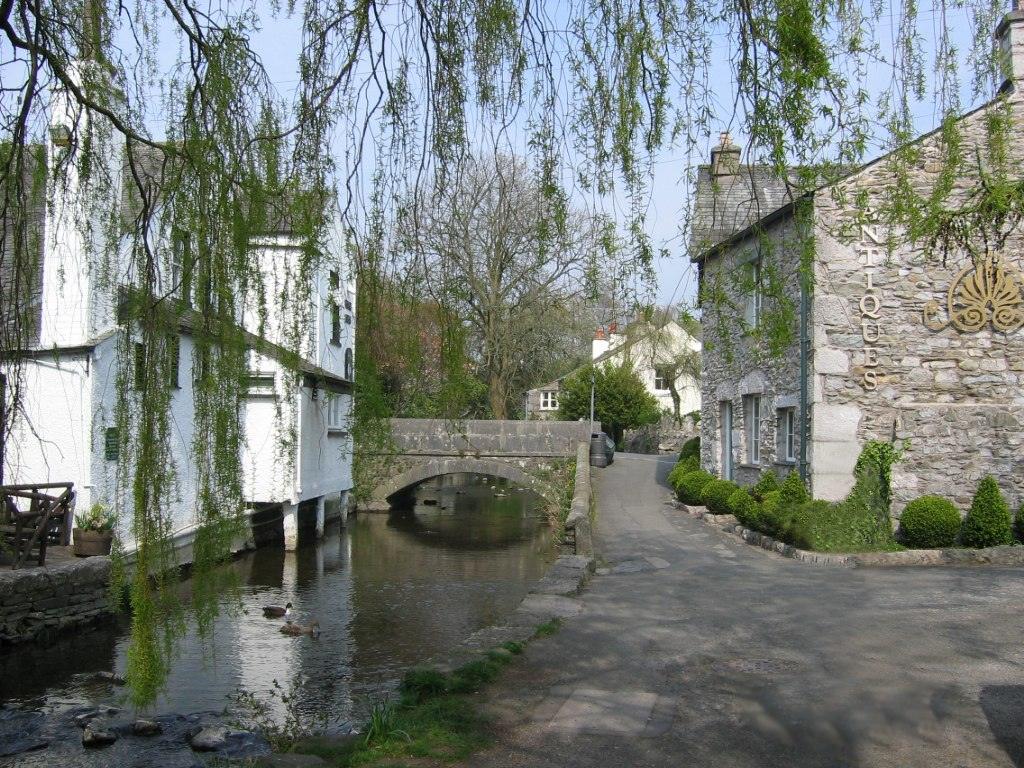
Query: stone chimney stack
{"points": [[1009, 42], [725, 158]]}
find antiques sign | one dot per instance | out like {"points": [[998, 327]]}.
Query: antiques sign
{"points": [[870, 254]]}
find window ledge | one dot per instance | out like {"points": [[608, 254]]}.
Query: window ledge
{"points": [[751, 466], [338, 431], [785, 462]]}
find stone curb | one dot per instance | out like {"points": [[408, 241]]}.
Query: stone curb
{"points": [[1003, 555]]}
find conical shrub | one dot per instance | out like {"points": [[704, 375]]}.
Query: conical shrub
{"points": [[988, 522]]}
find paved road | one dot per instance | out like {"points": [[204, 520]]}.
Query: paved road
{"points": [[698, 650]]}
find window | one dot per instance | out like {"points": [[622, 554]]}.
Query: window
{"points": [[140, 364], [752, 419], [181, 268], [335, 412], [111, 449], [260, 385], [350, 371], [752, 311], [334, 282], [173, 359], [787, 434], [661, 378], [725, 437], [549, 400]]}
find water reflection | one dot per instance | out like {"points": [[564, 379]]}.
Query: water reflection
{"points": [[389, 591]]}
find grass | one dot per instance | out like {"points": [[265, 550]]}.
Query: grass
{"points": [[434, 719]]}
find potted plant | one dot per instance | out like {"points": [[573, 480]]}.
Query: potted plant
{"points": [[94, 531]]}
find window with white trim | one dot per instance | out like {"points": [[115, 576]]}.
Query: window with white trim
{"points": [[661, 379], [752, 424], [336, 413], [549, 400], [787, 434], [752, 310]]}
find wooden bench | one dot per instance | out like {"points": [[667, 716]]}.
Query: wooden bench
{"points": [[47, 519]]}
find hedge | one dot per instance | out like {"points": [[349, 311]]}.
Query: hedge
{"points": [[715, 496], [682, 467], [690, 486], [690, 448], [767, 483], [745, 508]]}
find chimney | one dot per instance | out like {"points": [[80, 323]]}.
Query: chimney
{"points": [[599, 345], [1009, 42], [725, 158]]}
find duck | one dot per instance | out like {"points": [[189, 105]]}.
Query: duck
{"points": [[295, 630], [277, 612]]}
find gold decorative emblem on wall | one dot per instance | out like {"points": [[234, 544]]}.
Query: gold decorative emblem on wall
{"points": [[987, 291]]}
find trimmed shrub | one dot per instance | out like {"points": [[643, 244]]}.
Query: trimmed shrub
{"points": [[930, 522], [745, 508], [682, 467], [715, 496], [767, 483], [793, 490], [691, 485], [690, 448], [988, 522], [771, 513]]}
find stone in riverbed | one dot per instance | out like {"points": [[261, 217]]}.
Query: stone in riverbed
{"points": [[209, 739], [146, 728], [94, 736]]}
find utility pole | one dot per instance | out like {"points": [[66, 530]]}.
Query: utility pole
{"points": [[591, 401]]}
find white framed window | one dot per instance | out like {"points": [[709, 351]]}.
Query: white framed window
{"points": [[787, 434], [752, 310], [549, 400], [752, 422], [336, 412], [725, 437], [661, 379]]}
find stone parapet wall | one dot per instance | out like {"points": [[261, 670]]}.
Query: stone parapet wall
{"points": [[478, 437], [43, 601], [579, 513]]}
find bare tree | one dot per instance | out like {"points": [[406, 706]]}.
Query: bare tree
{"points": [[490, 245]]}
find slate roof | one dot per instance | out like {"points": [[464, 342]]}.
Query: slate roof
{"points": [[729, 204]]}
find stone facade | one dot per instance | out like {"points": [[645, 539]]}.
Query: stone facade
{"points": [[44, 601], [883, 359]]}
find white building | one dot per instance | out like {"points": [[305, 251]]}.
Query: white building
{"points": [[65, 429], [654, 351]]}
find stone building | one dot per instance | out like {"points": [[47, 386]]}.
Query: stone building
{"points": [[884, 341]]}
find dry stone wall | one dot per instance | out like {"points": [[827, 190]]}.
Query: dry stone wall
{"points": [[44, 601]]}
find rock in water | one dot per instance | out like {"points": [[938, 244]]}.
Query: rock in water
{"points": [[209, 739], [146, 728], [97, 737]]}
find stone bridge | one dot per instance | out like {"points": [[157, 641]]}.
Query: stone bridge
{"points": [[523, 452]]}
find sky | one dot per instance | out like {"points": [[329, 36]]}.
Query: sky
{"points": [[278, 43]]}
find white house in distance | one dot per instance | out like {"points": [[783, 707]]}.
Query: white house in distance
{"points": [[653, 350], [65, 429]]}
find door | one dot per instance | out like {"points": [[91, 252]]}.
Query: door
{"points": [[725, 439]]}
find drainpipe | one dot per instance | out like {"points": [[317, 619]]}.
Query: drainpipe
{"points": [[805, 344]]}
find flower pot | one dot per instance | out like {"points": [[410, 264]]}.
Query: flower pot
{"points": [[90, 543]]}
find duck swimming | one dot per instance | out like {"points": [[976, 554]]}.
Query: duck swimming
{"points": [[295, 630], [277, 612]]}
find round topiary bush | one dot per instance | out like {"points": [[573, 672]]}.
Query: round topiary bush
{"points": [[715, 496], [988, 522], [745, 508], [929, 522], [767, 483], [691, 485]]}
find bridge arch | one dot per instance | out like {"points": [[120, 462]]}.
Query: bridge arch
{"points": [[435, 467]]}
